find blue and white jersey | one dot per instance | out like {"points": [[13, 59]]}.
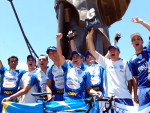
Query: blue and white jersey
{"points": [[139, 67], [96, 73], [76, 81], [56, 75], [40, 79], [10, 81], [117, 74]]}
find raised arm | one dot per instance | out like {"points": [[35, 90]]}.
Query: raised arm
{"points": [[59, 50], [138, 20], [116, 39], [71, 37], [90, 44]]}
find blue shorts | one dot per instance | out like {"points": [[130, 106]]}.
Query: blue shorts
{"points": [[144, 96], [58, 97]]}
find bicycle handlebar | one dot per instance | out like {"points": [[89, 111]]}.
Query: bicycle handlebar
{"points": [[39, 94], [93, 99]]}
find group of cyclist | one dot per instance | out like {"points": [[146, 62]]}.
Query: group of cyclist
{"points": [[82, 76]]}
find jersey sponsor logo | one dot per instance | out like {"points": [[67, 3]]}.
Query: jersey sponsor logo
{"points": [[8, 92], [60, 91], [143, 67], [95, 79], [96, 88], [59, 81], [142, 60], [111, 67], [10, 81], [140, 56], [122, 71], [72, 93], [73, 83], [121, 66]]}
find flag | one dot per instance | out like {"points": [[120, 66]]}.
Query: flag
{"points": [[54, 106]]}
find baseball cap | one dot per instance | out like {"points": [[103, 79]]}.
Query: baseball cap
{"points": [[75, 52], [31, 56], [87, 53], [135, 34], [51, 48], [115, 46]]}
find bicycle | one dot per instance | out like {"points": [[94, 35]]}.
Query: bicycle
{"points": [[88, 103]]}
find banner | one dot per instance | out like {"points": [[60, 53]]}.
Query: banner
{"points": [[11, 107], [72, 106]]}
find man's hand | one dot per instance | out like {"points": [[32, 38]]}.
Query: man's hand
{"points": [[90, 33], [99, 94], [59, 36], [6, 99], [136, 20], [72, 35]]}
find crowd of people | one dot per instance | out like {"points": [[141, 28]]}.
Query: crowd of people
{"points": [[82, 76]]}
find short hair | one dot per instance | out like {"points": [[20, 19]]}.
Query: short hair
{"points": [[13, 57], [43, 55]]}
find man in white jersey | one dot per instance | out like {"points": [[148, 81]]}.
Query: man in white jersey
{"points": [[28, 98], [38, 78], [117, 72]]}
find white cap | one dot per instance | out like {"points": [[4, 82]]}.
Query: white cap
{"points": [[135, 34]]}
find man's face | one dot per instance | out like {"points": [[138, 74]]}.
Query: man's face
{"points": [[31, 62], [53, 55], [42, 61], [76, 59], [114, 53], [137, 43], [13, 63], [90, 59]]}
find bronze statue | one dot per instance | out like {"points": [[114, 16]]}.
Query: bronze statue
{"points": [[72, 15]]}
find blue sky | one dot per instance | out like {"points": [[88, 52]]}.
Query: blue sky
{"points": [[39, 22]]}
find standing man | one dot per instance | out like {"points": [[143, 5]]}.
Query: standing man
{"points": [[38, 78], [10, 79], [55, 75], [117, 72], [28, 98], [139, 66], [76, 78]]}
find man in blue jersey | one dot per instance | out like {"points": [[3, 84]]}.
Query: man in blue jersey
{"points": [[118, 76], [76, 78], [139, 66], [96, 73], [39, 78], [10, 79], [55, 75]]}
